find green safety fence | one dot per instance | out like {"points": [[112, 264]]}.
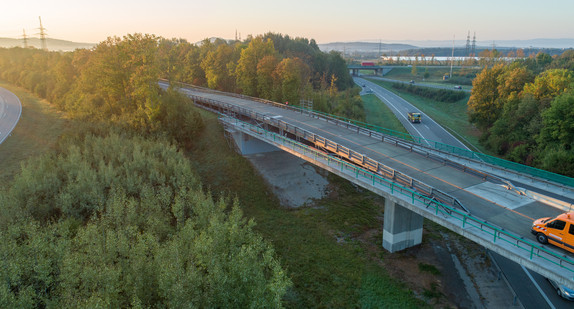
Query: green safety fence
{"points": [[466, 221], [501, 163], [498, 162]]}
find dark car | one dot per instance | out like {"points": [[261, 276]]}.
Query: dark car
{"points": [[562, 291], [412, 81]]}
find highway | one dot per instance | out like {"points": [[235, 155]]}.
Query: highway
{"points": [[10, 111], [423, 84], [532, 289], [428, 129]]}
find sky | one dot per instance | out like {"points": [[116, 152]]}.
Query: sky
{"points": [[325, 21]]}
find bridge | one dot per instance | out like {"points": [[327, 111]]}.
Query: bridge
{"points": [[471, 194], [377, 70]]}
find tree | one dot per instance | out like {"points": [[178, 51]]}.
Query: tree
{"points": [[543, 59], [246, 71], [558, 123], [549, 84], [293, 76], [266, 82], [484, 105], [216, 68], [512, 80]]}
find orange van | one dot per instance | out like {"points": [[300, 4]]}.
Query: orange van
{"points": [[558, 231]]}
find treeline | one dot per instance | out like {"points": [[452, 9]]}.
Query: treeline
{"points": [[525, 111], [117, 79], [270, 66], [114, 84], [116, 217], [440, 95]]}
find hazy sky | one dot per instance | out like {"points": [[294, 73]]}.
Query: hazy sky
{"points": [[325, 21]]}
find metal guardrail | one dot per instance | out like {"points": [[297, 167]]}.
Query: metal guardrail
{"points": [[466, 220], [395, 138], [506, 165], [430, 205], [17, 119], [324, 143], [495, 162]]}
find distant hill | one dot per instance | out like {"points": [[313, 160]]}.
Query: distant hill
{"points": [[364, 47], [53, 44], [385, 47]]}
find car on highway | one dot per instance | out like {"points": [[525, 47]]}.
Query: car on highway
{"points": [[457, 87], [414, 117], [412, 81], [562, 290]]}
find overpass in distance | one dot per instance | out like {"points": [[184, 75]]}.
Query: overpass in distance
{"points": [[475, 199]]}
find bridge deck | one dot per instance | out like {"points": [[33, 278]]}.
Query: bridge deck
{"points": [[488, 201], [485, 200]]}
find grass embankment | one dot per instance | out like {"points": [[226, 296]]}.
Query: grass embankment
{"points": [[379, 114], [461, 76], [319, 246], [452, 116], [37, 131]]}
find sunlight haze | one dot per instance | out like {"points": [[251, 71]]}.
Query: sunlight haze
{"points": [[324, 21]]}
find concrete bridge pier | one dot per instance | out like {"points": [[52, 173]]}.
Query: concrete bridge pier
{"points": [[247, 144], [402, 228]]}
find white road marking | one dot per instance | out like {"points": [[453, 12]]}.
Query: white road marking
{"points": [[538, 287], [389, 102]]}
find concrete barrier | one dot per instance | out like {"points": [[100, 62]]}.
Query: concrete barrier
{"points": [[556, 203]]}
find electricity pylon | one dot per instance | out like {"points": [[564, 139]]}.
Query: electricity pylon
{"points": [[43, 35]]}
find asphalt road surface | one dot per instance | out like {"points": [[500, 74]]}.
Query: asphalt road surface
{"points": [[427, 128], [532, 289], [10, 111]]}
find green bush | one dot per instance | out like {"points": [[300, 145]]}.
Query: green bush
{"points": [[441, 95]]}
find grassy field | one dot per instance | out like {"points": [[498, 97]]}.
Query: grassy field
{"points": [[380, 115], [462, 76], [452, 116], [37, 131]]}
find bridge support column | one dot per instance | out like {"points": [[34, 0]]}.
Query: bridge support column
{"points": [[247, 144], [402, 228]]}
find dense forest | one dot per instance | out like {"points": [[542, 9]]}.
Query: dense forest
{"points": [[116, 216], [525, 111]]}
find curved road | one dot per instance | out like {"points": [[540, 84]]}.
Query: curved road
{"points": [[10, 111], [531, 288], [427, 129]]}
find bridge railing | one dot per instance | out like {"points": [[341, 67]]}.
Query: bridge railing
{"points": [[461, 152], [506, 165], [333, 147], [435, 209]]}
